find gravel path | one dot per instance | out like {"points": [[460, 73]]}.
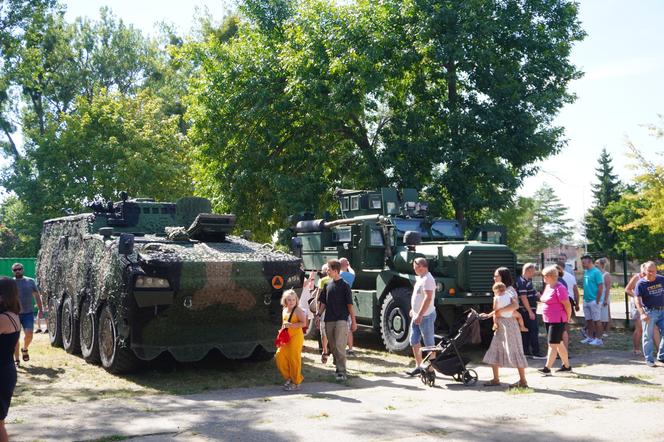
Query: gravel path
{"points": [[596, 402]]}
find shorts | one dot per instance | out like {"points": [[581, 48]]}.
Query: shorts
{"points": [[27, 321], [591, 311], [604, 313], [554, 332], [424, 331]]}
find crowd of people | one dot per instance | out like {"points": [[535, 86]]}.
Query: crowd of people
{"points": [[514, 316]]}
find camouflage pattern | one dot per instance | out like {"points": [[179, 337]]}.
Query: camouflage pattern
{"points": [[208, 294]]}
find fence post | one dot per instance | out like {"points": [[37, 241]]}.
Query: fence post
{"points": [[624, 260]]}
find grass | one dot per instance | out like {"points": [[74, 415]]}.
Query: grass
{"points": [[53, 376], [390, 408], [649, 398], [321, 415], [519, 391]]}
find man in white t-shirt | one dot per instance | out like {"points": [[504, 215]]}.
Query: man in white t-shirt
{"points": [[423, 312]]}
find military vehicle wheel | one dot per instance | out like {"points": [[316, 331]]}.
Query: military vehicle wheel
{"points": [[114, 359], [87, 333], [69, 326], [261, 355], [395, 321], [54, 331]]}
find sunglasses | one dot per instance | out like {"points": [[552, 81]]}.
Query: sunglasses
{"points": [[18, 270]]}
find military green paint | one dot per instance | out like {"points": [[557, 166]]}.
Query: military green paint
{"points": [[29, 265], [219, 294]]}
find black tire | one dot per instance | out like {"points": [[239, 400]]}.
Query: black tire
{"points": [[69, 327], [87, 333], [469, 377], [53, 323], [261, 355], [395, 320], [114, 359]]}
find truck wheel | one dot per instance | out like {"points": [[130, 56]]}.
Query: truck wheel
{"points": [[114, 359], [395, 321], [69, 325], [54, 331], [87, 333]]}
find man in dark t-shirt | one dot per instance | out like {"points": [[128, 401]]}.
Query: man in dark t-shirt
{"points": [[337, 303], [528, 309], [649, 302]]}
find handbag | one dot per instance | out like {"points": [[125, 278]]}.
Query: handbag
{"points": [[283, 337]]}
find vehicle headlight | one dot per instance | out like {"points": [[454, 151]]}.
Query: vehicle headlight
{"points": [[440, 286], [150, 282]]}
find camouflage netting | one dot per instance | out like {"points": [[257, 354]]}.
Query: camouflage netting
{"points": [[220, 296]]}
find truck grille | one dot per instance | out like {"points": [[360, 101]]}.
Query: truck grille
{"points": [[480, 267]]}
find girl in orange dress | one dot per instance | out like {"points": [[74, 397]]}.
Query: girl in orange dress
{"points": [[289, 357]]}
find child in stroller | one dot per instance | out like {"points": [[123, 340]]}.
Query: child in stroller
{"points": [[449, 360]]}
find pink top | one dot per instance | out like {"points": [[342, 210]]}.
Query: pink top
{"points": [[552, 298]]}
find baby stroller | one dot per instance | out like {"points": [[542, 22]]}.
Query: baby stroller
{"points": [[448, 359]]}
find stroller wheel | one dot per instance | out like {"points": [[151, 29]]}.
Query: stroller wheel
{"points": [[430, 378], [469, 377]]}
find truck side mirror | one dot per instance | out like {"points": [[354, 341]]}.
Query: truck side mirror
{"points": [[126, 244]]}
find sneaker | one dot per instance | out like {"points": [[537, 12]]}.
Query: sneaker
{"points": [[596, 341], [541, 357], [583, 333], [350, 352], [415, 372], [586, 341], [604, 335], [38, 330], [45, 330], [287, 384], [564, 369], [546, 371], [651, 364], [341, 377]]}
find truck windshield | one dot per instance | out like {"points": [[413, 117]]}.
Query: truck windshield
{"points": [[447, 229], [441, 229]]}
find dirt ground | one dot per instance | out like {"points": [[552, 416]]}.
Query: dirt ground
{"points": [[61, 398]]}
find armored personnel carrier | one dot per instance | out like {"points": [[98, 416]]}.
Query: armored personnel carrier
{"points": [[381, 233], [137, 278]]}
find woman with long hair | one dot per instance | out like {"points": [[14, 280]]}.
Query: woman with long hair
{"points": [[9, 333]]}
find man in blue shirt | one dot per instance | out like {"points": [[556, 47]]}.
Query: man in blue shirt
{"points": [[348, 275], [593, 287], [649, 302]]}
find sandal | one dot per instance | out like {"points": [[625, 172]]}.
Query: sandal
{"points": [[519, 385], [492, 383], [26, 356], [323, 358], [17, 362]]}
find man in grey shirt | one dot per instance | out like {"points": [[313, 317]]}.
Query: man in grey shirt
{"points": [[27, 290]]}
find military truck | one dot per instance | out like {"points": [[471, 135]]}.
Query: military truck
{"points": [[381, 233], [136, 278]]}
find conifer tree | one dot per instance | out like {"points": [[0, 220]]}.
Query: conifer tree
{"points": [[599, 233]]}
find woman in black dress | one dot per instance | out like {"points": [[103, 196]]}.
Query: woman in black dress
{"points": [[9, 332]]}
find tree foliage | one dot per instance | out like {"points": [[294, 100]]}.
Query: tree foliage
{"points": [[607, 190], [97, 117], [453, 97]]}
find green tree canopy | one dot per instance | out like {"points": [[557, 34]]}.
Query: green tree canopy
{"points": [[312, 95], [607, 190]]}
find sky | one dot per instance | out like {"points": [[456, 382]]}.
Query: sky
{"points": [[621, 92]]}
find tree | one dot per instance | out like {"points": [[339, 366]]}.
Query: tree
{"points": [[625, 217], [95, 120], [518, 220], [549, 224], [607, 190], [311, 95]]}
